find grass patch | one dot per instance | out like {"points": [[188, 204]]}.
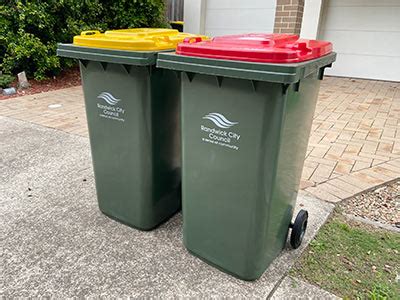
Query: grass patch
{"points": [[353, 261]]}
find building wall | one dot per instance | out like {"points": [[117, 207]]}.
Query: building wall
{"points": [[288, 16], [311, 19], [194, 16], [238, 16], [220, 17]]}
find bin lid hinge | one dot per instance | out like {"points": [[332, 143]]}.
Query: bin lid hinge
{"points": [[285, 87], [190, 76], [219, 80], [322, 71], [296, 86], [104, 65], [254, 84], [84, 62], [127, 68]]}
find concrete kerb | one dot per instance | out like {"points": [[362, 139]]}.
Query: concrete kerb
{"points": [[295, 289], [372, 223], [359, 219]]}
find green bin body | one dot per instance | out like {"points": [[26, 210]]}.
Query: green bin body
{"points": [[132, 111], [240, 179], [178, 25]]}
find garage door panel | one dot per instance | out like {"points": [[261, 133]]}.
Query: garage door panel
{"points": [[366, 36], [363, 18], [370, 43], [375, 3], [365, 66]]}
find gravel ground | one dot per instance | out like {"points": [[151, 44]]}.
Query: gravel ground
{"points": [[381, 205]]}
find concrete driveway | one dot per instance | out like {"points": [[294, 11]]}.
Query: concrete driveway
{"points": [[56, 243]]}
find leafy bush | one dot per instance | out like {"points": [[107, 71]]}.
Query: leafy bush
{"points": [[30, 30], [6, 80]]}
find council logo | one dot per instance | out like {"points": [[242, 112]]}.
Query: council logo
{"points": [[110, 99], [220, 120]]}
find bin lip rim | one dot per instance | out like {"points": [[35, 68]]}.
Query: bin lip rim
{"points": [[241, 62], [86, 48], [270, 72], [135, 58]]}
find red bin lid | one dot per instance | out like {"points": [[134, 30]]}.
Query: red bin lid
{"points": [[256, 47]]}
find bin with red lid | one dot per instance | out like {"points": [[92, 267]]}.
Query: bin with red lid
{"points": [[247, 107]]}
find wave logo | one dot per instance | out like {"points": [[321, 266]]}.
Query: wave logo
{"points": [[110, 99], [220, 120]]}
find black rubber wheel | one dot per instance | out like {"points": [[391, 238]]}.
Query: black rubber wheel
{"points": [[299, 229]]}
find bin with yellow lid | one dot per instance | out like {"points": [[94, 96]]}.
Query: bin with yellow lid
{"points": [[133, 118], [178, 25], [135, 39]]}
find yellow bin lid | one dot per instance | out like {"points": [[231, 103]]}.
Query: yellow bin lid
{"points": [[135, 39], [177, 22]]}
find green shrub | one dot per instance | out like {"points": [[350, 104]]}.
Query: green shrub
{"points": [[6, 80], [30, 30]]}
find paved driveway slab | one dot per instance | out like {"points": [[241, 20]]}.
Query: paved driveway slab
{"points": [[354, 143], [55, 242]]}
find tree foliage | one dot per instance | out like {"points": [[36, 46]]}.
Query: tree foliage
{"points": [[30, 30]]}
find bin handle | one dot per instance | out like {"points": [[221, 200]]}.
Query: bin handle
{"points": [[194, 39], [90, 32], [302, 46], [162, 38]]}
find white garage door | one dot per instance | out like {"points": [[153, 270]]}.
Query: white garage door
{"points": [[366, 36], [239, 16]]}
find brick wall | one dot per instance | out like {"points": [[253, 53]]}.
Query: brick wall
{"points": [[288, 16]]}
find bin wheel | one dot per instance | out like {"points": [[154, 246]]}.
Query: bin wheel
{"points": [[299, 229]]}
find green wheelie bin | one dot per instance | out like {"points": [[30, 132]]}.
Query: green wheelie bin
{"points": [[247, 107], [132, 112], [178, 25]]}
